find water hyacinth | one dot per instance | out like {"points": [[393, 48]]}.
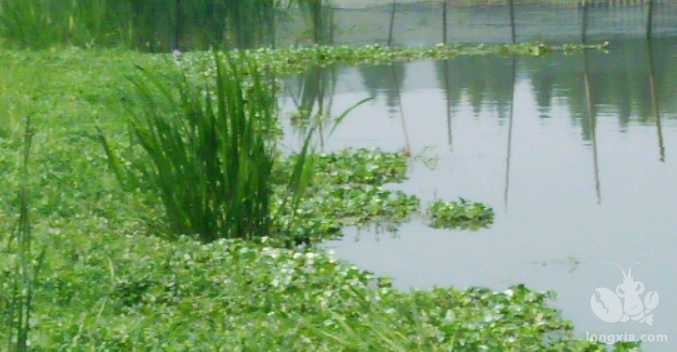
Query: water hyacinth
{"points": [[297, 59], [460, 214]]}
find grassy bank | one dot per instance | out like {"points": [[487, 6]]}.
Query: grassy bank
{"points": [[115, 277]]}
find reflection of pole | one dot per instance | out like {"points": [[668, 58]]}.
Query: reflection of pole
{"points": [[654, 101], [591, 118], [316, 21], [507, 164], [446, 90], [332, 91], [399, 102], [320, 102], [649, 20], [330, 16], [585, 21], [392, 22], [444, 21], [512, 20]]}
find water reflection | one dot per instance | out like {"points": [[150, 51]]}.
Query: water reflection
{"points": [[385, 80], [654, 100], [592, 120], [572, 148], [625, 83], [507, 163]]}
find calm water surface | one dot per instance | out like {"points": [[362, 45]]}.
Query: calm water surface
{"points": [[569, 191]]}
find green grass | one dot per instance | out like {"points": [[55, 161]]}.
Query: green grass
{"points": [[17, 285], [114, 279]]}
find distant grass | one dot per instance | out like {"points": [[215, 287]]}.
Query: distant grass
{"points": [[45, 23], [148, 25]]}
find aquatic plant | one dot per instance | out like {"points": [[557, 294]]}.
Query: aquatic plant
{"points": [[350, 166], [461, 214], [296, 59]]}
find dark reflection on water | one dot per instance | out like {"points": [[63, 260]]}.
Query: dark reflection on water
{"points": [[591, 178]]}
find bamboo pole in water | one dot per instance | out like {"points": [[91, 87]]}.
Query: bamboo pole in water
{"points": [[507, 164], [407, 146], [649, 20], [584, 25], [654, 101], [392, 22], [271, 14], [512, 20], [446, 70], [444, 21], [592, 122], [320, 101], [315, 12], [447, 88], [330, 15]]}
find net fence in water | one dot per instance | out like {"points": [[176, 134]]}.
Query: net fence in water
{"points": [[468, 21]]}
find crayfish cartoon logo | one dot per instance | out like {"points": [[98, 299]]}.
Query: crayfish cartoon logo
{"points": [[607, 304]]}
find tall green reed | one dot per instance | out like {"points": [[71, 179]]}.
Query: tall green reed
{"points": [[16, 294], [210, 152]]}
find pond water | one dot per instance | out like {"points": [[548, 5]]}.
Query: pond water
{"points": [[574, 182]]}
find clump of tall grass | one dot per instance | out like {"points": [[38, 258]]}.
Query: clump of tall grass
{"points": [[17, 288], [210, 151]]}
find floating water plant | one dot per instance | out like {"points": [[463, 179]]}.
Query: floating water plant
{"points": [[363, 166], [295, 59], [460, 214], [347, 190]]}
